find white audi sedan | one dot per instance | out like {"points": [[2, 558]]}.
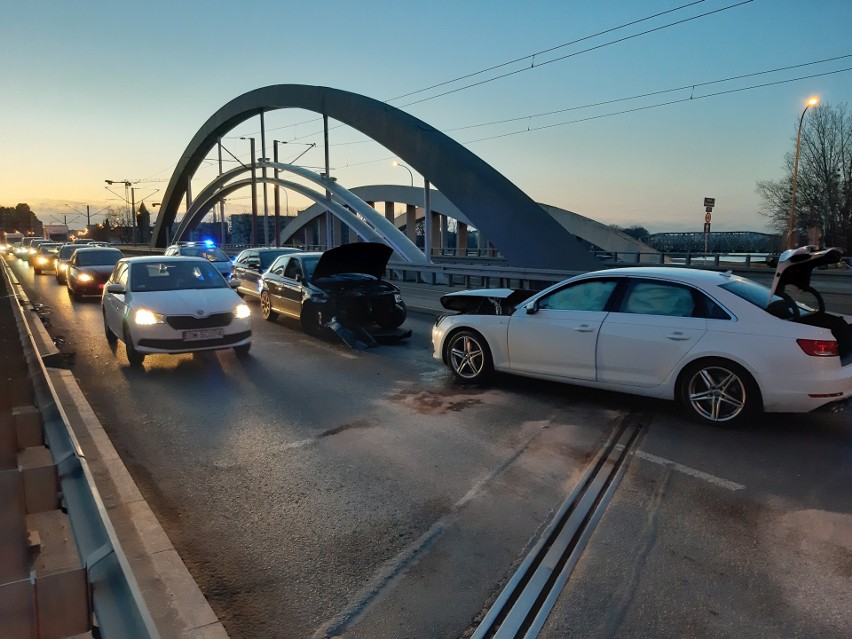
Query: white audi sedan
{"points": [[159, 304], [724, 346]]}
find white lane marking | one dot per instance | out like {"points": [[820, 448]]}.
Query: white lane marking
{"points": [[692, 472]]}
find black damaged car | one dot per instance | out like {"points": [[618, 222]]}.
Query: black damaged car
{"points": [[339, 290]]}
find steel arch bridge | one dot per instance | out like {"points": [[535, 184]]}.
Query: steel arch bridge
{"points": [[523, 232]]}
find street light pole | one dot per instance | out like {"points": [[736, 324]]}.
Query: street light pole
{"points": [[395, 163], [127, 184], [253, 192], [275, 144], [791, 243]]}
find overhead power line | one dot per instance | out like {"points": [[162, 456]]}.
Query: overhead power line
{"points": [[691, 98], [532, 56], [576, 53], [693, 86]]}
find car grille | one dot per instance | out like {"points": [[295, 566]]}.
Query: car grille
{"points": [[188, 322], [179, 346]]}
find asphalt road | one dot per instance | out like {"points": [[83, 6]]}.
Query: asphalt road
{"points": [[313, 490]]}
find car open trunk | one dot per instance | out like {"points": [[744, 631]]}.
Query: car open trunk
{"points": [[794, 269]]}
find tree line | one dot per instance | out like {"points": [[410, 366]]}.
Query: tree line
{"points": [[19, 218]]}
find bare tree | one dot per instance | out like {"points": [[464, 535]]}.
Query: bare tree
{"points": [[121, 222], [824, 190]]}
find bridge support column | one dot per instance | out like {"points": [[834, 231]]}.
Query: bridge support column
{"points": [[389, 214], [461, 239], [411, 222], [336, 232], [444, 234], [481, 244], [434, 238]]}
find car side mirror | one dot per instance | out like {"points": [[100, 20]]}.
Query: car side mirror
{"points": [[532, 308], [233, 283], [298, 277], [116, 289]]}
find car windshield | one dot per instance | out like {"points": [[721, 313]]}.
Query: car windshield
{"points": [[211, 254], [174, 276], [67, 250], [98, 258]]}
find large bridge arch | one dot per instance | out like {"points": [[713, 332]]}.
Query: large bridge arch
{"points": [[514, 223]]}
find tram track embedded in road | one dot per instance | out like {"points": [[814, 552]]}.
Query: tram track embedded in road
{"points": [[522, 607]]}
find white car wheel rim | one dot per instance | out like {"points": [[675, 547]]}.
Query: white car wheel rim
{"points": [[717, 394], [467, 357]]}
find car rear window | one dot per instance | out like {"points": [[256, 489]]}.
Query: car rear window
{"points": [[211, 254], [268, 257], [750, 291], [98, 258]]}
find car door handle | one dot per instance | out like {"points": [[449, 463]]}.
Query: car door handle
{"points": [[677, 336], [584, 328]]}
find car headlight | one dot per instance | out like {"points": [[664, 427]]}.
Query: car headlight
{"points": [[41, 259], [145, 317], [397, 297], [242, 311], [85, 277], [63, 267]]}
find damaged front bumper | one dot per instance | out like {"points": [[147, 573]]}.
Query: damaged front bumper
{"points": [[359, 337]]}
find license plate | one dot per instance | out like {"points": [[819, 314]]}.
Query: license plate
{"points": [[204, 333]]}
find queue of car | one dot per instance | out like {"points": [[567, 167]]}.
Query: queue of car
{"points": [[723, 346]]}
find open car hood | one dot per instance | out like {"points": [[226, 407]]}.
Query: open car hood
{"points": [[486, 301], [795, 266], [361, 257]]}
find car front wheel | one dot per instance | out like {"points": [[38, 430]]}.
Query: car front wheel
{"points": [[266, 307], [718, 392], [469, 357], [242, 350], [133, 356], [111, 337]]}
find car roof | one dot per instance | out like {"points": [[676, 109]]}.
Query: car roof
{"points": [[147, 259], [678, 273], [83, 248]]}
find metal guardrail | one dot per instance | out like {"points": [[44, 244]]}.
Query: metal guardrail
{"points": [[116, 598]]}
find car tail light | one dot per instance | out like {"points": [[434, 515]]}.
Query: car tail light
{"points": [[819, 347]]}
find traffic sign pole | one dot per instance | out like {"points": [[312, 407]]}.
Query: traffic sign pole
{"points": [[709, 203]]}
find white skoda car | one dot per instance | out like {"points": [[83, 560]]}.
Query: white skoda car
{"points": [[723, 346], [175, 304]]}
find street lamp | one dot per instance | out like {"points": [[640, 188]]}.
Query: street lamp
{"points": [[253, 192], [790, 237], [395, 163], [127, 184]]}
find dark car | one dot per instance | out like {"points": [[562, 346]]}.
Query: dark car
{"points": [[42, 259], [32, 247], [89, 269], [251, 263], [63, 256], [339, 290]]}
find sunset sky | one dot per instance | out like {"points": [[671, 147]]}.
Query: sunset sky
{"points": [[99, 90]]}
